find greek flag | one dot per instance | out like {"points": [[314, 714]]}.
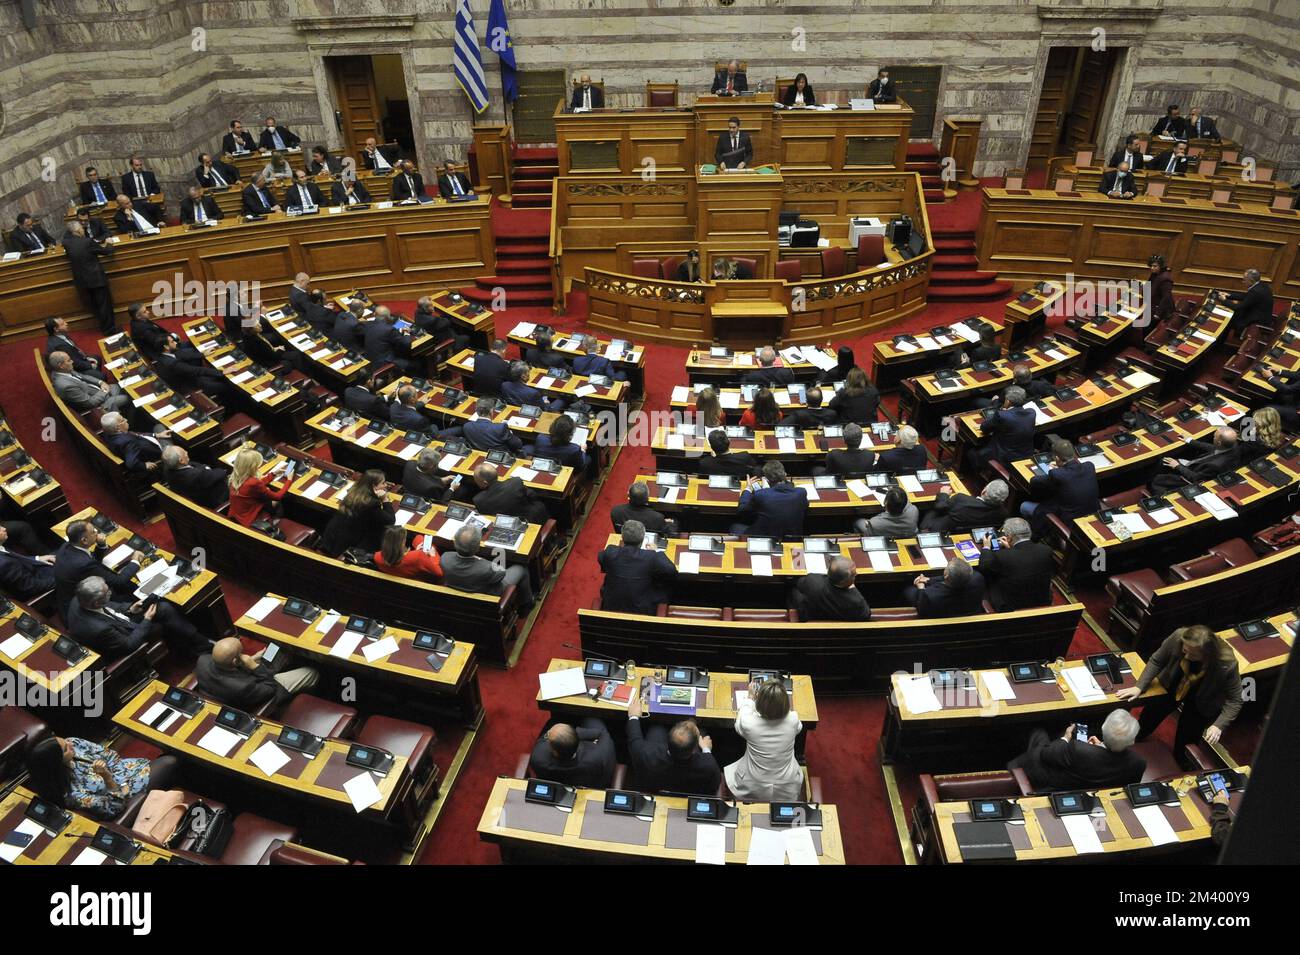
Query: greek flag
{"points": [[466, 61]]}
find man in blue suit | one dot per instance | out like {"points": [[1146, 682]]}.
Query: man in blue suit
{"points": [[140, 452], [383, 343], [1010, 429], [82, 556], [591, 362], [1069, 489], [403, 413], [490, 369], [347, 326], [515, 391], [958, 593], [21, 575], [767, 373], [636, 580], [778, 510], [485, 435]]}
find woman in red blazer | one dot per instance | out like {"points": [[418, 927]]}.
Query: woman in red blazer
{"points": [[251, 497], [763, 413], [395, 557]]}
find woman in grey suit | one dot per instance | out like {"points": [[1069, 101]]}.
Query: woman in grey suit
{"points": [[768, 772]]}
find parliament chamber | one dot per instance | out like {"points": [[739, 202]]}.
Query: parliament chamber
{"points": [[677, 446]]}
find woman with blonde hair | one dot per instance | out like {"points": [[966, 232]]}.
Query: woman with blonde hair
{"points": [[708, 408], [768, 772], [1268, 428], [1199, 673], [252, 496]]}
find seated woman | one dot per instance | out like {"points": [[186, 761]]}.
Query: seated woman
{"points": [[689, 270], [799, 93], [278, 167], [857, 401], [84, 776], [844, 363], [394, 557], [363, 514], [763, 413], [768, 772], [1268, 433], [558, 445], [252, 498], [708, 408]]}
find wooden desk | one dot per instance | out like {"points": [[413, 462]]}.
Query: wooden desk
{"points": [[1195, 339], [194, 430], [703, 367], [898, 358], [419, 343], [508, 822], [49, 849], [680, 448], [571, 389], [1283, 356], [738, 203], [628, 358], [40, 503], [1267, 655], [326, 359], [476, 320], [1189, 185], [735, 400], [39, 665], [1027, 312]]}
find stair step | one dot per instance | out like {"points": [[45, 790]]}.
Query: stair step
{"points": [[933, 195], [511, 246], [535, 172], [955, 234], [941, 260], [994, 291], [962, 277], [513, 281], [524, 265], [526, 200], [531, 185], [919, 150], [514, 297]]}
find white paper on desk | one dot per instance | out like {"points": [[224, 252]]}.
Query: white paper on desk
{"points": [[150, 571], [346, 644], [799, 846], [880, 560], [183, 424], [516, 421], [1082, 685], [1156, 825], [449, 462], [1221, 311], [327, 622], [141, 402], [681, 394], [1082, 834], [766, 847], [1215, 505], [320, 353], [927, 343], [1139, 379], [363, 792], [1055, 355], [89, 856], [1214, 418], [944, 341], [524, 473], [269, 758], [367, 439], [15, 646], [561, 683], [908, 347], [265, 394], [1203, 336], [131, 380], [118, 556], [1098, 461], [379, 649], [27, 827], [710, 845], [809, 489], [581, 436], [909, 483], [674, 442], [409, 452], [315, 489], [814, 563], [242, 377], [791, 355], [815, 356], [1166, 515], [223, 361], [402, 516], [339, 363], [1041, 416], [546, 381], [302, 341], [449, 528], [729, 400], [20, 486], [115, 363], [918, 694], [524, 329], [760, 565], [966, 332], [1136, 523], [934, 557], [585, 390], [785, 445], [858, 487], [669, 494], [219, 741], [688, 562], [999, 687], [782, 397], [260, 609]]}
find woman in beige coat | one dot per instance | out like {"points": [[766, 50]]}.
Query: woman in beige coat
{"points": [[768, 772]]}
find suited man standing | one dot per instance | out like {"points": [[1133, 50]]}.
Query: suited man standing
{"points": [[208, 487], [303, 194], [1172, 162], [679, 760], [463, 569], [586, 96], [575, 756], [196, 208], [1010, 429], [382, 343], [214, 174], [1204, 461], [729, 81], [88, 275], [407, 183], [136, 218], [833, 595], [452, 183], [1067, 763], [1068, 489], [1171, 124], [30, 235], [57, 339], [723, 460], [882, 88], [275, 136], [83, 392], [958, 593], [734, 149], [114, 628], [81, 556], [636, 580], [1118, 183], [767, 373], [1130, 152], [138, 182], [1019, 573], [508, 496], [96, 191], [24, 576], [491, 369], [238, 140], [482, 433], [1254, 306], [257, 198], [777, 510]]}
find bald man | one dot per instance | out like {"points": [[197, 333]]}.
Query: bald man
{"points": [[300, 293], [578, 756], [1201, 461], [509, 496], [586, 96], [231, 676], [730, 81]]}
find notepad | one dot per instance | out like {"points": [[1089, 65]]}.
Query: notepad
{"points": [[880, 560], [183, 424], [224, 360], [814, 563], [908, 347], [219, 741], [766, 847], [785, 445], [1157, 826], [918, 694], [15, 646], [363, 792], [1055, 355], [1219, 508], [999, 687], [449, 462], [933, 557], [910, 483], [729, 400], [346, 644], [799, 846], [557, 684], [1082, 684], [118, 556], [688, 562], [858, 487], [524, 330], [1166, 515], [89, 856], [1139, 379], [327, 622], [760, 565], [681, 394], [367, 439], [379, 649], [927, 343], [1135, 523], [269, 758], [265, 394], [260, 609], [669, 494], [710, 845], [1083, 835], [315, 490]]}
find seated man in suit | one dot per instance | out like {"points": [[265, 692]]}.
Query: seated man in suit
{"points": [[58, 339], [407, 183], [405, 412], [1201, 127], [438, 325], [677, 761], [768, 373], [82, 555], [1254, 306], [82, 391], [300, 294], [233, 677], [958, 593], [139, 452], [638, 508], [1130, 153], [373, 158], [953, 513], [592, 362], [899, 518], [1171, 124], [319, 315], [1019, 573], [1068, 763], [30, 236], [463, 569], [1118, 183], [907, 456], [96, 191], [851, 460], [238, 140], [725, 461], [734, 149], [322, 162], [1010, 429], [185, 375], [833, 595], [213, 173], [575, 756], [452, 183], [882, 88], [988, 348], [516, 390], [347, 329], [277, 137], [303, 194], [542, 355], [483, 433], [198, 208], [349, 192], [777, 510], [364, 398], [421, 476], [205, 486], [150, 337], [1287, 384], [257, 198], [1172, 162], [586, 96], [1068, 489], [1035, 388], [636, 580], [93, 228], [383, 343], [558, 445], [1203, 461], [136, 217], [114, 628], [24, 576], [729, 81], [813, 416], [491, 369], [138, 182], [509, 496]]}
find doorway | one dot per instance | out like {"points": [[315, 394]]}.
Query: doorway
{"points": [[370, 99], [534, 111], [1076, 84]]}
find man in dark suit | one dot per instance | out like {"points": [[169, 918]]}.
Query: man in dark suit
{"points": [[463, 569], [257, 199], [421, 475], [138, 182], [961, 512], [676, 761], [382, 343], [1010, 429], [729, 81], [364, 398], [452, 183], [1203, 461], [508, 496], [482, 433], [24, 576], [205, 486], [907, 456], [347, 325], [275, 136], [373, 158], [231, 676], [1068, 489], [96, 191], [81, 556], [575, 756], [768, 373], [114, 628], [88, 275], [1130, 152], [491, 369], [300, 294], [636, 580], [988, 348], [517, 392], [1118, 183], [1173, 162], [93, 227], [136, 217], [1201, 127], [1019, 573], [852, 459], [882, 89], [238, 140], [725, 461], [777, 510], [1254, 306], [405, 414], [213, 173], [734, 149], [407, 183], [196, 207], [186, 374], [303, 194], [322, 162], [319, 315], [592, 362], [1035, 388], [1068, 763], [638, 508], [349, 192], [149, 336], [586, 96], [831, 596], [958, 593], [558, 445], [813, 416], [30, 236], [542, 355], [1287, 384], [140, 453], [58, 339], [1171, 124]]}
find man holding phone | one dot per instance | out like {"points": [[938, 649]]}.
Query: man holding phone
{"points": [[1076, 760]]}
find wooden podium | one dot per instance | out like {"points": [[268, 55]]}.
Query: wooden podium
{"points": [[739, 204]]}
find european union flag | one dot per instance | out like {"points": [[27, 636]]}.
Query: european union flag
{"points": [[502, 44]]}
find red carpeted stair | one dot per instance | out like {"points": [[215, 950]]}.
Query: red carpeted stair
{"points": [[523, 263], [923, 158], [954, 270], [535, 167]]}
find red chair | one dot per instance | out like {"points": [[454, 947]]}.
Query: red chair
{"points": [[647, 268], [750, 264], [789, 270], [871, 251], [832, 262], [671, 265]]}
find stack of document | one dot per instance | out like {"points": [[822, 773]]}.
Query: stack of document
{"points": [[1219, 508]]}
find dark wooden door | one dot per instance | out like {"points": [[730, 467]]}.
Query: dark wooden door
{"points": [[919, 88], [1091, 85], [355, 97], [534, 112], [1053, 104]]}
